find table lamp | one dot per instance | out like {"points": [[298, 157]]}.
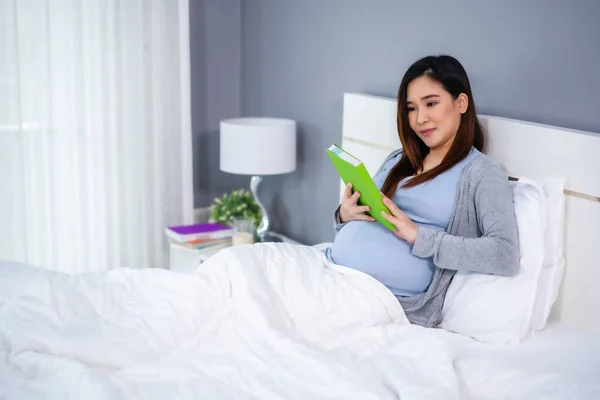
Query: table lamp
{"points": [[258, 147]]}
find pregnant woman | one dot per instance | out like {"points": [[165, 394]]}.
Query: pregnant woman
{"points": [[451, 204]]}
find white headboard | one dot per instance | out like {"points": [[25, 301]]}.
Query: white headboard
{"points": [[524, 150]]}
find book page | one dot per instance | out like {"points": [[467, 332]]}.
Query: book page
{"points": [[343, 155]]}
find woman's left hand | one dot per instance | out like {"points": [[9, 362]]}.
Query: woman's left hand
{"points": [[405, 228]]}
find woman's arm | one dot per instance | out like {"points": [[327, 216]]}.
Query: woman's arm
{"points": [[337, 222], [496, 251]]}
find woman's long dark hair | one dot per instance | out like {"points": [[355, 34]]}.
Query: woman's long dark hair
{"points": [[453, 77]]}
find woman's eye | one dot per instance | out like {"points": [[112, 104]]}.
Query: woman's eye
{"points": [[431, 103], [410, 109]]}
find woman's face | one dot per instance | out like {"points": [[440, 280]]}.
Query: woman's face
{"points": [[433, 114]]}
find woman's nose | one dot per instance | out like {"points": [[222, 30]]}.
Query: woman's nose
{"points": [[422, 117]]}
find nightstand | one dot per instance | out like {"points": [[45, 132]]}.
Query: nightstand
{"points": [[185, 260]]}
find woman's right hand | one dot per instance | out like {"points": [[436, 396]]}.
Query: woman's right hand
{"points": [[350, 210]]}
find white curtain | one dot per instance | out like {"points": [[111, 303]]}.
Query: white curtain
{"points": [[95, 131]]}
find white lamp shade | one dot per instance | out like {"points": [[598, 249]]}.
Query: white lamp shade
{"points": [[258, 146]]}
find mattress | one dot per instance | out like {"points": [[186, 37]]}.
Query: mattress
{"points": [[558, 363]]}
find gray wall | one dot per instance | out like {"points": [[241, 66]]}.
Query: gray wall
{"points": [[215, 56], [528, 59]]}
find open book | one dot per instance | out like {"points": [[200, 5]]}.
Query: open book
{"points": [[352, 170]]}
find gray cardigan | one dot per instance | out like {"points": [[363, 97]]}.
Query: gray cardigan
{"points": [[481, 237]]}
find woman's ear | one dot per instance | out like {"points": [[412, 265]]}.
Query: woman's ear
{"points": [[462, 102]]}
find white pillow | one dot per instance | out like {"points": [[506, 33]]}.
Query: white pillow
{"points": [[554, 261], [495, 309]]}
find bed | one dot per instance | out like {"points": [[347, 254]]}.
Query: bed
{"points": [[566, 353], [278, 321]]}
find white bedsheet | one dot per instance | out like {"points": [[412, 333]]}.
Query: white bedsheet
{"points": [[558, 363], [269, 321]]}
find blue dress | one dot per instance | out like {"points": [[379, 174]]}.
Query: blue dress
{"points": [[373, 249]]}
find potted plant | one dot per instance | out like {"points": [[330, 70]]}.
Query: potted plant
{"points": [[236, 204]]}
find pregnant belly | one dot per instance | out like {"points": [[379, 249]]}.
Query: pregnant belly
{"points": [[373, 249]]}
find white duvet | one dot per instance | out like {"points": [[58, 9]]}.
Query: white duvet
{"points": [[268, 321]]}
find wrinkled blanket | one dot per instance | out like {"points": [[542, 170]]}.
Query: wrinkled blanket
{"points": [[265, 321]]}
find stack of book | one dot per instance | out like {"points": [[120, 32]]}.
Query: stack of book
{"points": [[201, 237]]}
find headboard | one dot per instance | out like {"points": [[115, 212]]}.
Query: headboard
{"points": [[523, 149]]}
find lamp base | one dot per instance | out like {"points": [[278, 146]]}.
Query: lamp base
{"points": [[264, 228]]}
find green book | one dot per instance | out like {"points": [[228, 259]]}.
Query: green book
{"points": [[352, 170]]}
